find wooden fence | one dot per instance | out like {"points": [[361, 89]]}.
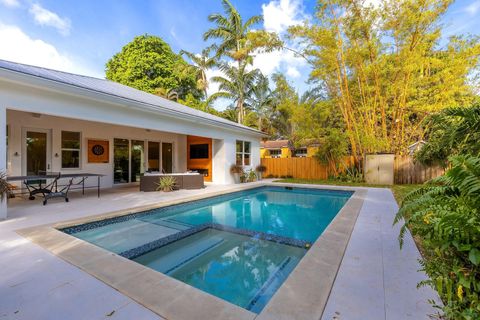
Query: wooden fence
{"points": [[406, 171], [301, 168]]}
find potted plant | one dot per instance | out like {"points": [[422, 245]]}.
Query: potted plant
{"points": [[243, 177], [166, 184], [5, 187], [260, 169], [252, 176], [236, 171]]}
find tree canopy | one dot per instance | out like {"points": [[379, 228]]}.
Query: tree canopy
{"points": [[378, 74], [384, 69], [149, 64]]}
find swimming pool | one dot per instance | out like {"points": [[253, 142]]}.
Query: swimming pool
{"points": [[239, 247]]}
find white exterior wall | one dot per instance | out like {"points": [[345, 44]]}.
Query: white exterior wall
{"points": [[111, 118], [20, 121], [3, 150]]}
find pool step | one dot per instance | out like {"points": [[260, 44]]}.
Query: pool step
{"points": [[167, 223], [171, 261], [272, 284]]}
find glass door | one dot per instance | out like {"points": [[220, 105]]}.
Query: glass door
{"points": [[167, 154], [37, 146], [121, 164], [137, 160], [153, 156]]}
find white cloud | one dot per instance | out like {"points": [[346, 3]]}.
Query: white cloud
{"points": [[213, 86], [10, 3], [19, 47], [280, 14], [293, 72], [46, 17], [473, 8]]}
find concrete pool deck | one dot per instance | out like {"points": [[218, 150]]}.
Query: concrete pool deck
{"points": [[375, 280]]}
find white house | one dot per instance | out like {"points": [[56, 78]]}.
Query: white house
{"points": [[54, 120]]}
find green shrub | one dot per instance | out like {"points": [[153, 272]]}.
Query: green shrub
{"points": [[166, 183], [445, 214]]}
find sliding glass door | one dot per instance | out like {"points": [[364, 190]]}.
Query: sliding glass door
{"points": [[167, 157], [153, 156], [121, 162], [137, 160], [131, 157]]}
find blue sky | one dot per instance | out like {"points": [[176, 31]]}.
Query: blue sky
{"points": [[81, 36]]}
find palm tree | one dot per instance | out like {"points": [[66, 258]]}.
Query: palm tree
{"points": [[170, 94], [231, 31], [202, 62], [454, 130], [236, 85], [261, 100]]}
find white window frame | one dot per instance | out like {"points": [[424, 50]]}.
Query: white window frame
{"points": [[302, 154], [71, 149], [243, 153], [277, 154]]}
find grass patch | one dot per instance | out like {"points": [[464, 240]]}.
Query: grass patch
{"points": [[399, 190]]}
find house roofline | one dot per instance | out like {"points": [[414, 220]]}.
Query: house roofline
{"points": [[42, 82]]}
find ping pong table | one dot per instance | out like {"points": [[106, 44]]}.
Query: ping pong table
{"points": [[46, 184]]}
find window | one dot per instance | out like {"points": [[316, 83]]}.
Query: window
{"points": [[301, 152], [275, 153], [243, 153], [70, 150]]}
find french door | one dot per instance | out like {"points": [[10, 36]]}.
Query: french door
{"points": [[36, 151], [128, 160]]}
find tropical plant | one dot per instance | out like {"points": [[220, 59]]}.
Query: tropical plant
{"points": [[201, 105], [236, 85], [236, 169], [166, 183], [5, 187], [333, 149], [170, 94], [148, 63], [385, 68], [203, 62], [237, 41], [231, 31], [251, 176], [452, 131], [260, 100], [445, 214], [260, 170]]}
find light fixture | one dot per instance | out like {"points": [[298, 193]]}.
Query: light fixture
{"points": [[16, 154], [56, 155]]}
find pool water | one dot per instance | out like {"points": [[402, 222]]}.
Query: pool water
{"points": [[242, 270], [232, 263]]}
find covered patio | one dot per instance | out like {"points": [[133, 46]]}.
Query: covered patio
{"points": [[61, 122]]}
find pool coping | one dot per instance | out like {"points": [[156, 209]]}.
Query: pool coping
{"points": [[303, 295]]}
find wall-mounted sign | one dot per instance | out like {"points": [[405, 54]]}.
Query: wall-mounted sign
{"points": [[98, 151]]}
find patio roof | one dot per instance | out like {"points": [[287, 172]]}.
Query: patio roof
{"points": [[101, 88]]}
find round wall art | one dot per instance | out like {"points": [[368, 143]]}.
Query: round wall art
{"points": [[98, 150]]}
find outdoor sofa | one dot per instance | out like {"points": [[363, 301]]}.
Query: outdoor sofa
{"points": [[149, 181]]}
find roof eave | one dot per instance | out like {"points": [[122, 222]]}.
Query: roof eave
{"points": [[122, 101]]}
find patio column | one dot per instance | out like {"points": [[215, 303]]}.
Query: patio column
{"points": [[3, 155]]}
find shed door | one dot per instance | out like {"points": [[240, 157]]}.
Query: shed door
{"points": [[379, 169]]}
